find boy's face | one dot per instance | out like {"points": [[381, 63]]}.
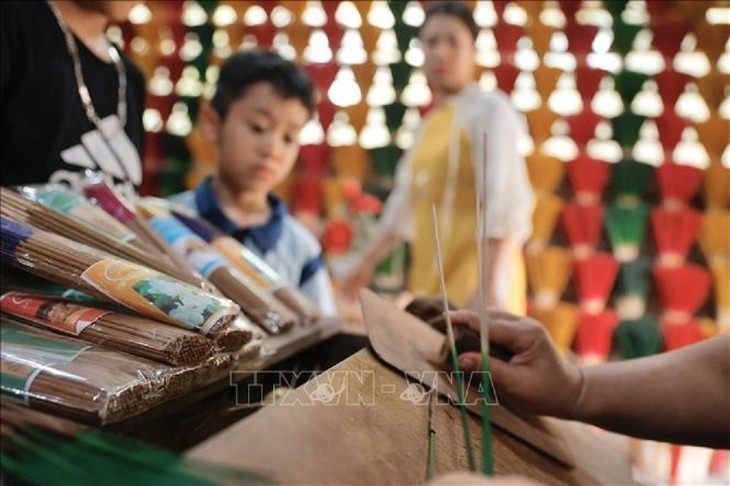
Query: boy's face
{"points": [[258, 141]]}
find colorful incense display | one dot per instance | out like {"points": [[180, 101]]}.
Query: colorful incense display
{"points": [[263, 309], [139, 288], [134, 335]]}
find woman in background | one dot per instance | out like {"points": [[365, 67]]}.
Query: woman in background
{"points": [[446, 166]]}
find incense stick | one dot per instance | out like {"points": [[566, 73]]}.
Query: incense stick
{"points": [[431, 468], [452, 346], [483, 265]]}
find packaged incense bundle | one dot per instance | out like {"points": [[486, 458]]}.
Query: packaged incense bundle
{"points": [[236, 335], [46, 218], [74, 379], [253, 267], [74, 205], [138, 288], [131, 334], [263, 309], [103, 195]]}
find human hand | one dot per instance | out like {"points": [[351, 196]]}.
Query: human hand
{"points": [[353, 280], [535, 379]]}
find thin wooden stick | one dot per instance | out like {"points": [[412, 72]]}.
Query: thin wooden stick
{"points": [[452, 347], [431, 469], [483, 264]]}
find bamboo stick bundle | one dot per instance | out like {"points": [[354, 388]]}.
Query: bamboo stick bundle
{"points": [[17, 207], [73, 379], [131, 334], [717, 186], [103, 195], [254, 267], [632, 289], [560, 321], [548, 272], [714, 239], [138, 288], [263, 309], [544, 218]]}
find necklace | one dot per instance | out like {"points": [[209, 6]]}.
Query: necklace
{"points": [[84, 93]]}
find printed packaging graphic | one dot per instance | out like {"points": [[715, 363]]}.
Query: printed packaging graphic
{"points": [[25, 354], [233, 250], [55, 314], [158, 296], [187, 244], [75, 205]]}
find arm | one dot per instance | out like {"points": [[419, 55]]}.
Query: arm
{"points": [[394, 226], [680, 396]]}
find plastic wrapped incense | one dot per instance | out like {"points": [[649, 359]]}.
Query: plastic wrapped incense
{"points": [[138, 288], [263, 309], [134, 335], [254, 267], [45, 218], [62, 199], [103, 195], [74, 379], [236, 335]]}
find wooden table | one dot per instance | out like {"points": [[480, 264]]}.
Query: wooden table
{"points": [[361, 423], [183, 421]]}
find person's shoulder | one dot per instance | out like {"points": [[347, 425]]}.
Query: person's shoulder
{"points": [[300, 235], [185, 200]]}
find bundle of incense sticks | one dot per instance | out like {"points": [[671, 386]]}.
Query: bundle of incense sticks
{"points": [[74, 205], [103, 195], [138, 288], [134, 335], [71, 378], [253, 267], [263, 309], [236, 335], [19, 208]]}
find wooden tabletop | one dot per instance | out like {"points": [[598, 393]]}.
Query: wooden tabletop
{"points": [[361, 422]]}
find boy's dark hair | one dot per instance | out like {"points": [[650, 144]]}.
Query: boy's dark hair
{"points": [[455, 9], [249, 67]]}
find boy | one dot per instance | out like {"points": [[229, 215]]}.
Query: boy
{"points": [[261, 103]]}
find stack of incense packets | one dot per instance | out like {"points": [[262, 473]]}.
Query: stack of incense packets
{"points": [[253, 267], [136, 287], [103, 195], [263, 309], [72, 378], [86, 231], [135, 335]]}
